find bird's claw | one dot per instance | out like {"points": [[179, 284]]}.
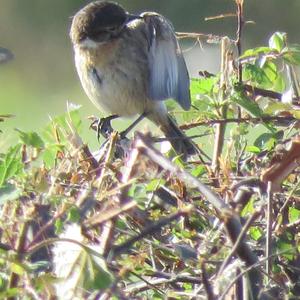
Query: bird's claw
{"points": [[103, 126]]}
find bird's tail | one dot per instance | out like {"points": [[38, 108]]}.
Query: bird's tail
{"points": [[182, 144]]}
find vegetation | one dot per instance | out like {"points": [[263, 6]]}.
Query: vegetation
{"points": [[132, 223]]}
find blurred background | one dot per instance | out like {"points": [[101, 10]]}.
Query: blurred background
{"points": [[42, 78]]}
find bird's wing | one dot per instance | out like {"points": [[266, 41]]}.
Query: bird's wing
{"points": [[169, 77]]}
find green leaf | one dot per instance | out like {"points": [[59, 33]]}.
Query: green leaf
{"points": [[251, 107], [18, 268], [273, 108], [288, 249], [73, 214], [294, 214], [31, 139], [11, 164], [253, 149], [256, 52], [198, 171], [154, 184], [278, 41], [263, 73], [50, 154], [265, 141], [255, 232], [203, 85], [59, 225], [9, 192], [61, 124], [94, 272], [292, 55], [39, 265], [11, 293], [248, 209]]}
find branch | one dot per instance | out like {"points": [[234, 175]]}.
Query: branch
{"points": [[226, 214], [255, 91], [238, 42], [209, 38], [263, 119], [282, 165], [154, 227]]}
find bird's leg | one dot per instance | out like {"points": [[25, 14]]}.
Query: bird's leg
{"points": [[131, 126], [104, 127]]}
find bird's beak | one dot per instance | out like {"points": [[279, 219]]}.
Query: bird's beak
{"points": [[131, 17]]}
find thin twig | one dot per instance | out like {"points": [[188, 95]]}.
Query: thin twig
{"points": [[231, 220], [209, 38], [221, 127], [263, 119], [207, 286], [124, 247], [221, 16], [255, 91], [245, 271], [20, 246], [240, 238], [238, 42], [269, 229]]}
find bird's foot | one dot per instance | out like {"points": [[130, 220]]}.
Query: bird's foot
{"points": [[127, 130], [103, 126]]}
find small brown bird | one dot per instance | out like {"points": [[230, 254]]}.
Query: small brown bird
{"points": [[128, 64]]}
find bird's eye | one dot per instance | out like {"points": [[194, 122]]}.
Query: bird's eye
{"points": [[101, 35], [112, 29]]}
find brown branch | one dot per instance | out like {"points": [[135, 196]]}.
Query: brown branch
{"points": [[207, 286], [240, 238], [108, 214], [238, 42], [209, 38], [20, 247], [221, 16], [269, 229], [154, 227], [226, 214], [282, 165], [263, 119], [255, 91], [224, 83]]}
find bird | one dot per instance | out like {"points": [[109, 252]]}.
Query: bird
{"points": [[129, 64]]}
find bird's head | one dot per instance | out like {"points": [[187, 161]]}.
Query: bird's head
{"points": [[99, 22]]}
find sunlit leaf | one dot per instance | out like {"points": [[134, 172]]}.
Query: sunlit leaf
{"points": [[278, 41], [154, 184], [31, 139], [198, 171], [11, 164], [286, 249], [292, 55], [255, 232], [253, 149], [9, 192], [294, 214], [73, 214], [265, 141], [256, 52]]}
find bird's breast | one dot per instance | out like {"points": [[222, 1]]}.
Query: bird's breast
{"points": [[113, 78]]}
